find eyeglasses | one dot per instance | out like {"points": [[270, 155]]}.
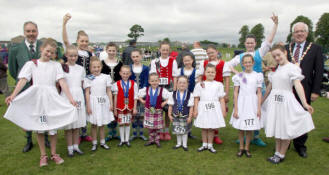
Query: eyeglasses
{"points": [[299, 31]]}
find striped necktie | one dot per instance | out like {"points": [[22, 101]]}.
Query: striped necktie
{"points": [[296, 55], [32, 51]]}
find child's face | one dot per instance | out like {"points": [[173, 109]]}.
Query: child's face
{"points": [[83, 42], [248, 63], [111, 51], [136, 57], [210, 73], [212, 54], [188, 61], [48, 52], [72, 56], [250, 44], [164, 50], [279, 56], [182, 84], [96, 67], [154, 81], [125, 73]]}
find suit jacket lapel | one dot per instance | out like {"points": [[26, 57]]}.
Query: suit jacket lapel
{"points": [[26, 50]]}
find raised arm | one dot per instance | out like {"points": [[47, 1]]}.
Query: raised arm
{"points": [[275, 20], [66, 18]]}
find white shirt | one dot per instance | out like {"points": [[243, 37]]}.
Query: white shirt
{"points": [[115, 89], [28, 45], [265, 47], [164, 63]]}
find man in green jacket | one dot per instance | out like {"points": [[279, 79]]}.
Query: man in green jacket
{"points": [[21, 53]]}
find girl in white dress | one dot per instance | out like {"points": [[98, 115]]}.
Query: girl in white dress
{"points": [[40, 108], [284, 117], [209, 108], [74, 76], [247, 99], [99, 101]]}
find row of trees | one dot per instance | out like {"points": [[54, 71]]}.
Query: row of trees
{"points": [[320, 35]]}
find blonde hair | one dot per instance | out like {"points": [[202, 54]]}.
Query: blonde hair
{"points": [[49, 42], [125, 67], [94, 59], [71, 47]]}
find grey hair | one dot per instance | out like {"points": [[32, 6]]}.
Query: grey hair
{"points": [[30, 22], [300, 23]]}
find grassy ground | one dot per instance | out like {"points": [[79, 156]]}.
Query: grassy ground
{"points": [[151, 160]]}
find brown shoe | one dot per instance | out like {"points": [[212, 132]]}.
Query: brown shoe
{"points": [[326, 139]]}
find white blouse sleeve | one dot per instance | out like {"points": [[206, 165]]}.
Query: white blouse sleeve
{"points": [[295, 73], [171, 98], [59, 71], [108, 81], [220, 92], [165, 94], [226, 70], [190, 102], [175, 72], [197, 90], [26, 71], [135, 91], [86, 83], [236, 79], [201, 68], [142, 93], [260, 80], [83, 73], [115, 88]]}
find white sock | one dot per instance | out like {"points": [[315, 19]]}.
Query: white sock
{"points": [[122, 133], [209, 145], [102, 141], [127, 133], [70, 148], [179, 139], [76, 147], [184, 136], [281, 155], [94, 142], [277, 153], [204, 144]]}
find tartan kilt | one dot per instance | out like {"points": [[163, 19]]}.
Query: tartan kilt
{"points": [[153, 121], [122, 114], [180, 122]]}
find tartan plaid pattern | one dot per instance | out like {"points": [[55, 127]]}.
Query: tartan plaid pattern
{"points": [[155, 119], [181, 122], [123, 113], [154, 135]]}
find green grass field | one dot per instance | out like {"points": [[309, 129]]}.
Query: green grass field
{"points": [[151, 160]]}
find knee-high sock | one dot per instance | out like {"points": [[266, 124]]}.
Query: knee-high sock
{"points": [[122, 133], [29, 136], [184, 137], [135, 127], [157, 135], [152, 135], [83, 131], [127, 133], [256, 134], [179, 139], [141, 127]]}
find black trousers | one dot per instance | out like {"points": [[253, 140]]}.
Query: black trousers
{"points": [[299, 142]]}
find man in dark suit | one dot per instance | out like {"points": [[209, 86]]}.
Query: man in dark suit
{"points": [[310, 59], [19, 54]]}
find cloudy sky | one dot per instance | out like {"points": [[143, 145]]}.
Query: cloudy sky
{"points": [[182, 20]]}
